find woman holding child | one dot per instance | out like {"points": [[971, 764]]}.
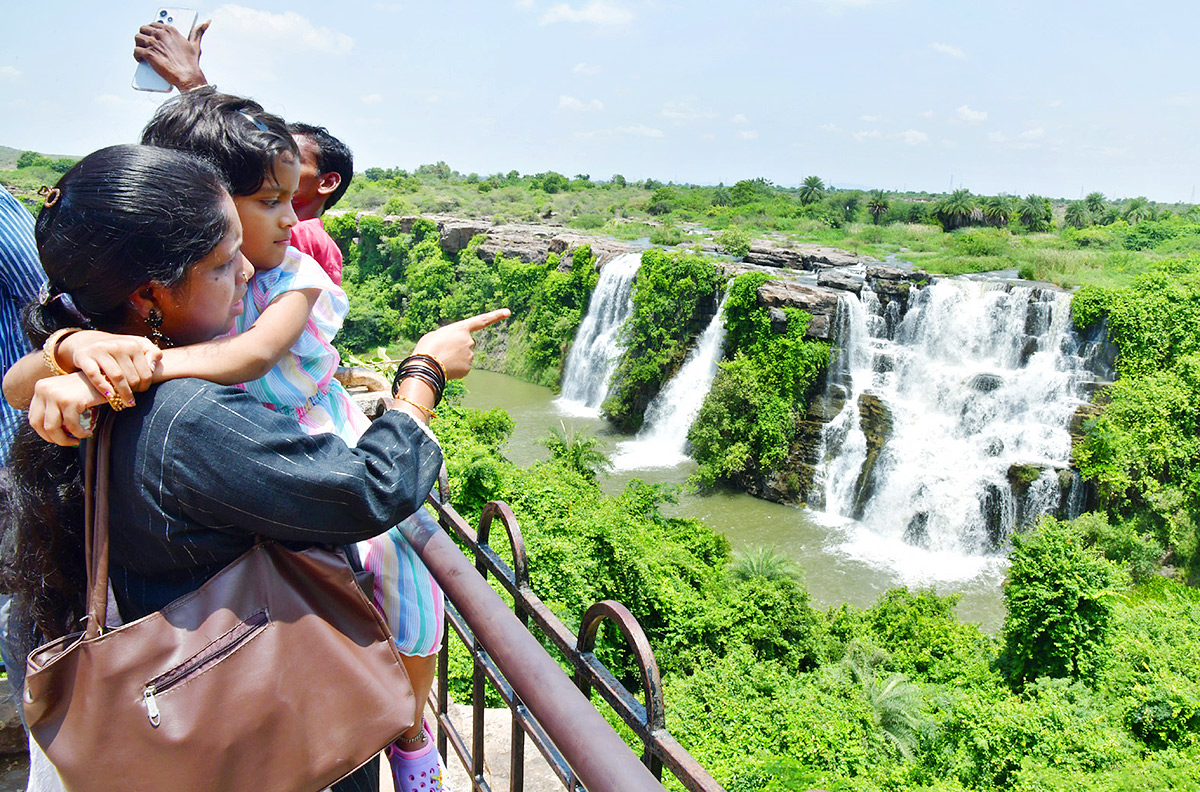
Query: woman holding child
{"points": [[146, 243]]}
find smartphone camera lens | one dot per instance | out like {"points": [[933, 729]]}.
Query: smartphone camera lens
{"points": [[162, 13], [169, 19]]}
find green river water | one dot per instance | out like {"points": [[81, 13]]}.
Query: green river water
{"points": [[832, 573]]}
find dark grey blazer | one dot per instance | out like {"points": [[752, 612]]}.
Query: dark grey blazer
{"points": [[199, 470]]}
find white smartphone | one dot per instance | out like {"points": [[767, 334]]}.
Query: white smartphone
{"points": [[183, 20]]}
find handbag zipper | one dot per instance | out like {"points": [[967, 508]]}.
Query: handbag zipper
{"points": [[218, 649]]}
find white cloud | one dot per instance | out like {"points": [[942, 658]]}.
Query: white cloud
{"points": [[267, 46], [910, 137], [926, 114], [681, 112], [1052, 103], [641, 130], [1033, 134], [739, 119], [748, 134], [967, 115], [372, 98], [947, 49], [586, 69], [831, 127], [9, 73], [596, 12], [870, 119], [997, 137], [571, 103], [524, 4]]}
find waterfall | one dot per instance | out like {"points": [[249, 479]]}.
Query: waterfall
{"points": [[662, 440], [966, 400], [593, 356]]}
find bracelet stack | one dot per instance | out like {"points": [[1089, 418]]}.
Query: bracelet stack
{"points": [[426, 368]]}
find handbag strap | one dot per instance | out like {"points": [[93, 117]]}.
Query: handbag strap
{"points": [[95, 533]]}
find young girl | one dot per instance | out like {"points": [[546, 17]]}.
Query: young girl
{"points": [[280, 350]]}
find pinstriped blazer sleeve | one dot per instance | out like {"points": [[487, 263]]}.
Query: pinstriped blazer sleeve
{"points": [[229, 463]]}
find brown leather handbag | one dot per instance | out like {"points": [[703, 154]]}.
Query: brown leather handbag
{"points": [[277, 674]]}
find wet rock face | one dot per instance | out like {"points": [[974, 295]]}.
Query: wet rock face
{"points": [[802, 257], [820, 304], [840, 279], [985, 383], [876, 422], [892, 286], [527, 242]]}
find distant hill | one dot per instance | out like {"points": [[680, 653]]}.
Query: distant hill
{"points": [[8, 157]]}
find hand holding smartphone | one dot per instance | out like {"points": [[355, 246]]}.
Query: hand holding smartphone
{"points": [[183, 20]]}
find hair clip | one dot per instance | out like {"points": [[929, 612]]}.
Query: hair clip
{"points": [[44, 294], [261, 126], [51, 194]]}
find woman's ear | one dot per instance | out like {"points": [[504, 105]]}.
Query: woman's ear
{"points": [[146, 298]]}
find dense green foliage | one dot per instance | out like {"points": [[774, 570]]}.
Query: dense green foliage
{"points": [[748, 420], [670, 295], [1143, 451], [770, 693]]}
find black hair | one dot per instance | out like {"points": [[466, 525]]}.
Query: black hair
{"points": [[232, 132], [333, 156], [122, 217]]}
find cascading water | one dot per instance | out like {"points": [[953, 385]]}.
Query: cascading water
{"points": [[954, 429], [662, 441], [593, 356]]}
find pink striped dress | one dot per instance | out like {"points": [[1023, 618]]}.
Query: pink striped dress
{"points": [[302, 385]]}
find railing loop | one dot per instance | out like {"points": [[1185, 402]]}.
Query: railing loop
{"points": [[516, 541], [635, 637]]}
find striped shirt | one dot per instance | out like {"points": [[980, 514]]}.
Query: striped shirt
{"points": [[21, 276]]}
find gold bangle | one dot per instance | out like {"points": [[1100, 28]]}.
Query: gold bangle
{"points": [[420, 407], [50, 349]]}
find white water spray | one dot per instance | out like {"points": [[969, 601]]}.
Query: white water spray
{"points": [[979, 380], [662, 441], [594, 355]]}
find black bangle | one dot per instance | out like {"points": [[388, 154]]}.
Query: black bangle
{"points": [[423, 372], [437, 364]]}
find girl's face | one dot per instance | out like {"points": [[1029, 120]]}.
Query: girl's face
{"points": [[267, 215], [205, 305]]}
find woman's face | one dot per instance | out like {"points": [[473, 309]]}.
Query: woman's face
{"points": [[205, 305]]}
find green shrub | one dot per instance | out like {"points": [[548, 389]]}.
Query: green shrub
{"points": [[1059, 598]]}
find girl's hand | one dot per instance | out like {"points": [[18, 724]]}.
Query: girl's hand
{"points": [[61, 408], [121, 363], [453, 345]]}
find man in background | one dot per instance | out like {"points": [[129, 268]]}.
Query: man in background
{"points": [[326, 168]]}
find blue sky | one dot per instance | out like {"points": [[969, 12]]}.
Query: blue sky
{"points": [[1018, 97]]}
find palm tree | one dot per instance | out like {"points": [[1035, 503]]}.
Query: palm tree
{"points": [[997, 210], [1077, 215], [1095, 202], [1035, 212], [877, 205], [954, 210], [576, 450], [812, 190], [1136, 210], [895, 702], [763, 562]]}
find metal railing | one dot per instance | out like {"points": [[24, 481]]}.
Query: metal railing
{"points": [[553, 710]]}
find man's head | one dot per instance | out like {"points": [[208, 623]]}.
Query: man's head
{"points": [[326, 168]]}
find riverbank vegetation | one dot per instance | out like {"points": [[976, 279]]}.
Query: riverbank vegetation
{"points": [[1094, 683]]}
